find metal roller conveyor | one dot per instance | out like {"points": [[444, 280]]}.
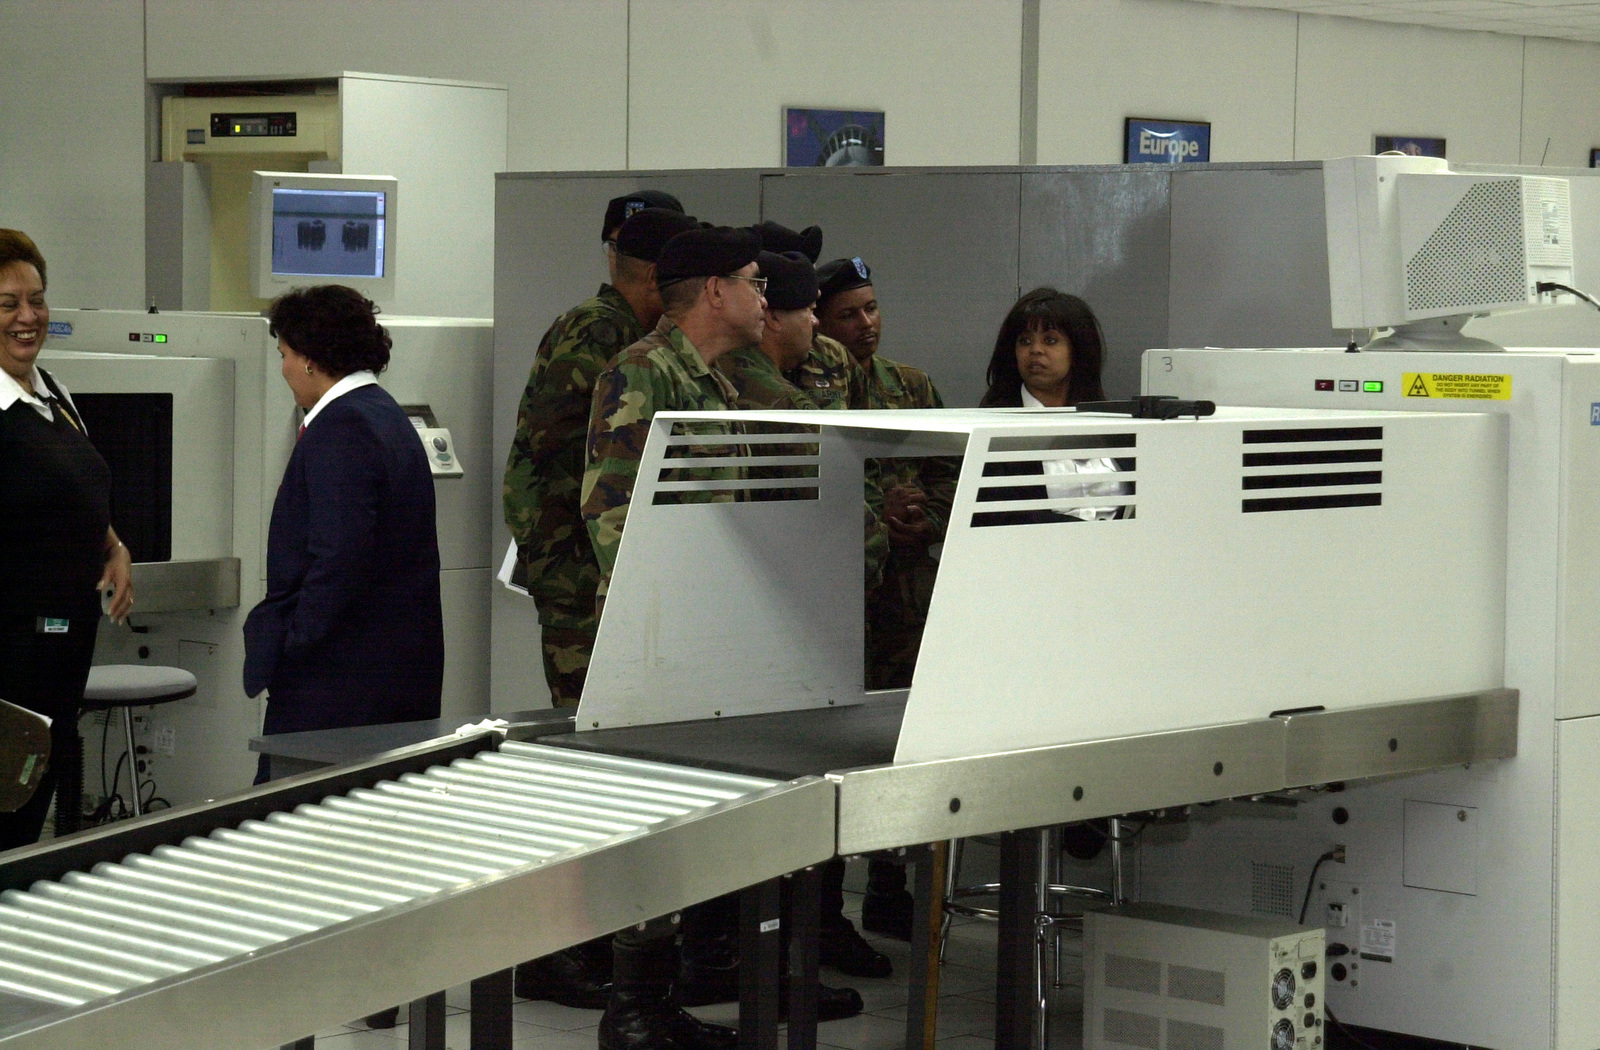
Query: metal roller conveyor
{"points": [[251, 913]]}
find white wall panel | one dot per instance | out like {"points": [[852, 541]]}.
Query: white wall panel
{"points": [[709, 79], [1557, 104], [563, 61], [1103, 60], [1360, 78], [72, 127]]}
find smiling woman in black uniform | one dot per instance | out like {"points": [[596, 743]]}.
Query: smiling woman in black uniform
{"points": [[55, 530]]}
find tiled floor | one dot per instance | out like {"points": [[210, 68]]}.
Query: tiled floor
{"points": [[966, 1007]]}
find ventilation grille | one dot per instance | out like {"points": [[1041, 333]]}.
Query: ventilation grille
{"points": [[1133, 975], [1056, 479], [716, 467], [1272, 889], [1126, 1028], [1475, 256], [1197, 985], [1185, 1035], [1340, 465]]}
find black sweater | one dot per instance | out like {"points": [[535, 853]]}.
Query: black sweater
{"points": [[55, 507]]}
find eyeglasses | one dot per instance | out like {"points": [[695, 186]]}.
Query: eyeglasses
{"points": [[759, 283]]}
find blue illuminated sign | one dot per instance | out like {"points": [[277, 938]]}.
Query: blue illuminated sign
{"points": [[1166, 141]]}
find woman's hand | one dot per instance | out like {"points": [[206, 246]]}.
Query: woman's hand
{"points": [[118, 575]]}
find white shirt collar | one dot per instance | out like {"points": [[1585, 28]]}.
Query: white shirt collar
{"points": [[1029, 401], [12, 391], [353, 381]]}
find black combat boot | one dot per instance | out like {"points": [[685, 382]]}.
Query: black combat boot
{"points": [[578, 977], [708, 971], [887, 907], [642, 1014]]}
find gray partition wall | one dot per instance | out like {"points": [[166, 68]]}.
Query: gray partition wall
{"points": [[1226, 254]]}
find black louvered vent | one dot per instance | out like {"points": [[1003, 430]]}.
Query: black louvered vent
{"points": [[1021, 486], [1313, 468]]}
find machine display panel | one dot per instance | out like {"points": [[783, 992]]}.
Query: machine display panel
{"points": [[328, 233], [309, 228]]}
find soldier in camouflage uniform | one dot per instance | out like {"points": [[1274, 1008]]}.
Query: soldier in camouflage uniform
{"points": [[917, 497], [711, 294], [760, 375], [828, 374], [544, 472]]}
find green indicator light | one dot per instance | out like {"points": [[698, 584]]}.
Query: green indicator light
{"points": [[161, 338], [1371, 386]]}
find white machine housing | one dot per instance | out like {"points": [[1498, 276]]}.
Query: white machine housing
{"points": [[1467, 896], [1159, 976], [202, 421], [1409, 241], [231, 476], [1226, 592]]}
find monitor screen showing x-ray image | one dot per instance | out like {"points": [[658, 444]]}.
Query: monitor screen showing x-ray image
{"points": [[328, 233]]}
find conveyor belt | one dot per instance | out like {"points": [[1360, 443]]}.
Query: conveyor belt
{"points": [[125, 932], [783, 744]]}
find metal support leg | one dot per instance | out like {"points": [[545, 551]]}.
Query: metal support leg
{"points": [[805, 911], [427, 1023], [758, 966], [491, 1012], [1116, 862], [133, 761], [927, 921], [1057, 877], [952, 872], [1041, 932], [1013, 1001]]}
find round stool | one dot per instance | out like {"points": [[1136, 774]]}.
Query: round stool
{"points": [[134, 685]]}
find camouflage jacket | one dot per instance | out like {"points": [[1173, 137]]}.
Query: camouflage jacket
{"points": [[544, 472], [889, 384], [761, 385], [828, 375], [662, 372]]}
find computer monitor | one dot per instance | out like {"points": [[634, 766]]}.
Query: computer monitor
{"points": [[1417, 248], [323, 229]]}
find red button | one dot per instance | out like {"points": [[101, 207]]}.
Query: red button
{"points": [[1324, 384]]}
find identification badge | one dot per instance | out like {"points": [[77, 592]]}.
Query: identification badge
{"points": [[52, 625]]}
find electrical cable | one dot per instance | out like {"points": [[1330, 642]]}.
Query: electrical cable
{"points": [[1363, 1044], [1306, 902], [1552, 286], [105, 731]]}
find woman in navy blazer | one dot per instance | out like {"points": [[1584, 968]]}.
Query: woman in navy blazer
{"points": [[350, 632]]}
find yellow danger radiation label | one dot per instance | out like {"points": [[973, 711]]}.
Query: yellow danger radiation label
{"points": [[1456, 385]]}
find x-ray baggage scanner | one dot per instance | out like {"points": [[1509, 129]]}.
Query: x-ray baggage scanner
{"points": [[1231, 632], [1466, 897]]}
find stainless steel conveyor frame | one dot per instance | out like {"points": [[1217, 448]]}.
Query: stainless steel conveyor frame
{"points": [[324, 897], [439, 863]]}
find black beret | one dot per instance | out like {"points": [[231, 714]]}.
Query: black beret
{"points": [[780, 239], [791, 280], [707, 252], [647, 231], [842, 275], [620, 208]]}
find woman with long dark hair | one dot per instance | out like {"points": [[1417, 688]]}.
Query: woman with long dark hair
{"points": [[1048, 354]]}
